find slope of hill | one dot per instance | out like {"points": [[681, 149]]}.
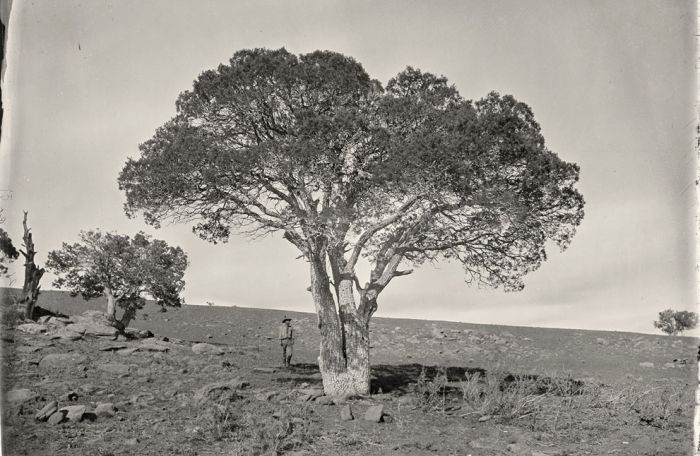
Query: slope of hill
{"points": [[438, 388], [605, 355]]}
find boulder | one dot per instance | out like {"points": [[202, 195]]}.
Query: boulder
{"points": [[57, 417], [32, 328], [207, 349], [374, 413], [48, 410], [94, 329], [226, 390], [18, 396], [105, 409], [73, 412], [346, 413]]}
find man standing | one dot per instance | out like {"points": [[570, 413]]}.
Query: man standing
{"points": [[286, 335]]}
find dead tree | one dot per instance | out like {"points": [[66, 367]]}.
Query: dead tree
{"points": [[32, 273]]}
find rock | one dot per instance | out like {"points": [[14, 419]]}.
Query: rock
{"points": [[58, 321], [128, 351], [92, 329], [154, 346], [65, 334], [324, 400], [57, 417], [304, 398], [601, 341], [516, 448], [19, 396], [374, 413], [669, 366], [138, 333], [43, 320], [32, 328], [48, 410], [485, 418], [265, 370], [105, 409], [341, 399], [208, 349], [27, 349], [313, 393], [220, 390], [112, 347], [73, 412], [346, 413], [131, 442], [646, 364], [113, 368]]}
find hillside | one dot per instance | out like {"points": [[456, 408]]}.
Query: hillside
{"points": [[605, 355]]}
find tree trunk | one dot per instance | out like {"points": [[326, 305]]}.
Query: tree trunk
{"points": [[32, 273], [111, 305], [344, 352]]}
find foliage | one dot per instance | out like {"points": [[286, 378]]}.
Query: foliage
{"points": [[674, 322], [8, 252], [311, 147], [128, 269]]}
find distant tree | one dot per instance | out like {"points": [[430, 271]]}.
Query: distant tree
{"points": [[8, 252], [674, 322], [122, 269], [310, 147]]}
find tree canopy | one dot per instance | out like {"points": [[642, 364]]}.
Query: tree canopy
{"points": [[122, 268], [311, 147], [674, 322]]}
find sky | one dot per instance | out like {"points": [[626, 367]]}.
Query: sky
{"points": [[612, 84]]}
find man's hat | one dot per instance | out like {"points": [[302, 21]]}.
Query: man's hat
{"points": [[286, 318]]}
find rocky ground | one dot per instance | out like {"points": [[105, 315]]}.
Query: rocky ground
{"points": [[209, 382]]}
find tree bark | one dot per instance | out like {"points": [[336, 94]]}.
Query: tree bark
{"points": [[111, 305], [344, 353], [32, 273]]}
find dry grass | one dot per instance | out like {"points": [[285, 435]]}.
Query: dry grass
{"points": [[258, 428], [556, 405]]}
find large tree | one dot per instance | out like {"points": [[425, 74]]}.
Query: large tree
{"points": [[124, 270], [310, 147]]}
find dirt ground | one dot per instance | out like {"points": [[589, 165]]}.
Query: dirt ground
{"points": [[446, 389]]}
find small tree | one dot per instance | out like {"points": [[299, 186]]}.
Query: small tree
{"points": [[8, 252], [674, 322], [122, 269]]}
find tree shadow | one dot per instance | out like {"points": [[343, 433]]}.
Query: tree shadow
{"points": [[399, 379]]}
